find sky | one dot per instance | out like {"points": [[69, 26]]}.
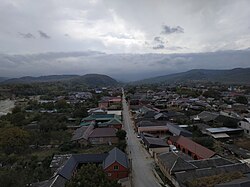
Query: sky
{"points": [[130, 27]]}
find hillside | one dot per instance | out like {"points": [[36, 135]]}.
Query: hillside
{"points": [[94, 80], [237, 76], [49, 78], [3, 79], [91, 80]]}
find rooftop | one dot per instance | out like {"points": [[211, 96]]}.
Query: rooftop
{"points": [[103, 132]]}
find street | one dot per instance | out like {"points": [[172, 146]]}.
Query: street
{"points": [[142, 163]]}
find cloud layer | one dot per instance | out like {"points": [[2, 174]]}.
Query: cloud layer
{"points": [[125, 67], [117, 26]]}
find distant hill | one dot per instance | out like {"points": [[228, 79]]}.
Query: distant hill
{"points": [[236, 76], [88, 79], [3, 79], [49, 78], [94, 80]]}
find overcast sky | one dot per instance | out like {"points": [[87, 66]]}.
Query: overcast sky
{"points": [[123, 26], [118, 26]]}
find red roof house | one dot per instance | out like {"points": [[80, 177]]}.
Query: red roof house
{"points": [[116, 164], [191, 148]]}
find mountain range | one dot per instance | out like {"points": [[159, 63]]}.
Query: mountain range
{"points": [[233, 76], [91, 80]]}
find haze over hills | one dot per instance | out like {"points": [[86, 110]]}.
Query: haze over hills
{"points": [[88, 79], [126, 67], [236, 76], [49, 78]]}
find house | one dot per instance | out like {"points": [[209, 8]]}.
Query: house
{"points": [[103, 120], [81, 135], [159, 130], [193, 149], [65, 166], [224, 132], [107, 102], [180, 171], [115, 123], [96, 111], [155, 145], [205, 116], [116, 164], [103, 136], [245, 125], [178, 131], [150, 142]]}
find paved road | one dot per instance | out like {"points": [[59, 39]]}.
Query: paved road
{"points": [[142, 163]]}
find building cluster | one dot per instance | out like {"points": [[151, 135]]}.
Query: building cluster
{"points": [[114, 163], [102, 124], [193, 132]]}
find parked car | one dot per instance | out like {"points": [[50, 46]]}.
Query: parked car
{"points": [[173, 148]]}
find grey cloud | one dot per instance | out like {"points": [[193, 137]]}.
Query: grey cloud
{"points": [[174, 48], [158, 39], [160, 46], [170, 30], [27, 35], [43, 35], [119, 66], [119, 35]]}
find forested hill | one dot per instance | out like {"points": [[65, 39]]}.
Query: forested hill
{"points": [[236, 76]]}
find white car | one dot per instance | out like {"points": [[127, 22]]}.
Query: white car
{"points": [[173, 148]]}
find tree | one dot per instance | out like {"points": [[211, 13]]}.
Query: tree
{"points": [[212, 93], [241, 99], [80, 111], [91, 175], [13, 140], [121, 134]]}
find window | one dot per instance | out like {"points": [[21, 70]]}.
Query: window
{"points": [[116, 167]]}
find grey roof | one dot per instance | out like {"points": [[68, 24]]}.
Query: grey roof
{"points": [[147, 123], [59, 160], [211, 162], [116, 155], [74, 160], [103, 132], [174, 163], [182, 165], [82, 132], [207, 116], [171, 114], [223, 130], [155, 142], [56, 181], [159, 115], [245, 182], [177, 131], [194, 174]]}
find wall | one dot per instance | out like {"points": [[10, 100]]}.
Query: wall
{"points": [[122, 172]]}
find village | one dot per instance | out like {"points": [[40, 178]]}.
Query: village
{"points": [[175, 135]]}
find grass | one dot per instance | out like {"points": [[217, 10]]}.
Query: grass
{"points": [[45, 153], [89, 150], [96, 149], [243, 143]]}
